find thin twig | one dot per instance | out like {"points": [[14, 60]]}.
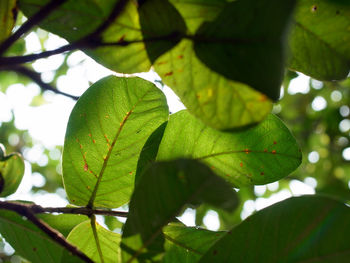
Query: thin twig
{"points": [[76, 210], [87, 44], [31, 22], [25, 210], [34, 76]]}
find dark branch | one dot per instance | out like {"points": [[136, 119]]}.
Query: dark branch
{"points": [[31, 22], [34, 76], [25, 210], [90, 41], [77, 210], [87, 44]]}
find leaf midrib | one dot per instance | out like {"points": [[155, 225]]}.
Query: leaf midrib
{"points": [[105, 162]]}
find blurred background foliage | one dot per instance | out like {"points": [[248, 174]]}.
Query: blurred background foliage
{"points": [[317, 113]]}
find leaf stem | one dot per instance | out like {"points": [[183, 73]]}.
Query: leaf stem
{"points": [[94, 231]]}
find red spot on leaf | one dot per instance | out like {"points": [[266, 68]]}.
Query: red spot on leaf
{"points": [[90, 135], [180, 57], [247, 151], [274, 142], [241, 164], [86, 167], [273, 151], [93, 141]]}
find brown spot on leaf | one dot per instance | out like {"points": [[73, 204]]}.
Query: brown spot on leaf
{"points": [[273, 151], [262, 173], [90, 135], [35, 249], [215, 252], [130, 173], [241, 164], [262, 98], [93, 141], [247, 151], [168, 74], [86, 167], [162, 62], [121, 39], [180, 57], [314, 8]]}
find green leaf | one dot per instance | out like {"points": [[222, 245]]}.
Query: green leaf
{"points": [[29, 241], [64, 223], [150, 150], [11, 172], [76, 19], [317, 41], [83, 237], [262, 154], [113, 223], [217, 101], [246, 43], [198, 11], [159, 18], [187, 244], [106, 132], [301, 229], [161, 193], [8, 14]]}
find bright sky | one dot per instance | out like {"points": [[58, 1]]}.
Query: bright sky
{"points": [[47, 123]]}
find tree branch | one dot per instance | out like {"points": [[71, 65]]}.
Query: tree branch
{"points": [[34, 76], [86, 44], [25, 210], [90, 41], [77, 210], [31, 22]]}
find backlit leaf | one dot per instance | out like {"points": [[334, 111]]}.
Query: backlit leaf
{"points": [[11, 171], [217, 101], [8, 14], [83, 237], [300, 229], [246, 43], [262, 154], [160, 194], [29, 241], [76, 19], [187, 244], [318, 41], [159, 18], [106, 132]]}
